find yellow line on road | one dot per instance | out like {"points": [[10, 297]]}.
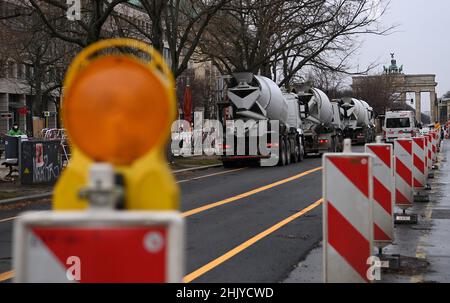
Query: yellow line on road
{"points": [[246, 194], [10, 274], [181, 181], [204, 269], [211, 175], [6, 275]]}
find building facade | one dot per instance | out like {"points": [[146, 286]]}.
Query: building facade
{"points": [[17, 94]]}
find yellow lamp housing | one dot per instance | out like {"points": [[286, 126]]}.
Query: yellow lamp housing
{"points": [[118, 108]]}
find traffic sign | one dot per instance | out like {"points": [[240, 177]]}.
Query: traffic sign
{"points": [[97, 246]]}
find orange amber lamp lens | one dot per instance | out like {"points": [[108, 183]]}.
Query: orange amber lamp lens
{"points": [[116, 110]]}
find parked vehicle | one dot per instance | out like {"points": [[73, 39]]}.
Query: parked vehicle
{"points": [[251, 98], [359, 124], [322, 125], [400, 124]]}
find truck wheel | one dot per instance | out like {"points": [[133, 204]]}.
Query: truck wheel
{"points": [[301, 154], [332, 148], [282, 153], [288, 152], [296, 156]]}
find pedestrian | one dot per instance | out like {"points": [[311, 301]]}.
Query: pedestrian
{"points": [[15, 131], [442, 134]]}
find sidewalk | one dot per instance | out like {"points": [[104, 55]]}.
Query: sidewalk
{"points": [[12, 188], [424, 248]]}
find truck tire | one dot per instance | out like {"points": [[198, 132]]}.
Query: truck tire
{"points": [[332, 147], [288, 152], [282, 153], [296, 155], [302, 152]]}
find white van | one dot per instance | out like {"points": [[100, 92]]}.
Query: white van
{"points": [[399, 124]]}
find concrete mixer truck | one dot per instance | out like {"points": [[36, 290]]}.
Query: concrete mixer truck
{"points": [[358, 120], [322, 125], [245, 100]]}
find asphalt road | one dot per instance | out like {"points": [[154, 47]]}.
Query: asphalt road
{"points": [[243, 225]]}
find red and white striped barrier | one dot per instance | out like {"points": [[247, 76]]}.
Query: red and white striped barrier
{"points": [[419, 158], [383, 197], [429, 152], [99, 247], [347, 217], [434, 146], [425, 137], [403, 173]]}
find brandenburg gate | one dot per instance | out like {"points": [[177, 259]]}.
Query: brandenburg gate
{"points": [[403, 84]]}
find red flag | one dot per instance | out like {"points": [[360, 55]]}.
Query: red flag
{"points": [[187, 104]]}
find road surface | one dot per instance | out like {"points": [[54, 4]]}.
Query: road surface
{"points": [[251, 224]]}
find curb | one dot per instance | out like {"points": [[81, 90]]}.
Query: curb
{"points": [[49, 194], [26, 198]]}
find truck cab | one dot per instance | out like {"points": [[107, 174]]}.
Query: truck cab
{"points": [[399, 124]]}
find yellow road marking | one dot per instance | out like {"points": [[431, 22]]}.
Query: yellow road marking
{"points": [[228, 200], [6, 275], [211, 175], [181, 181], [188, 213], [247, 194], [231, 253]]}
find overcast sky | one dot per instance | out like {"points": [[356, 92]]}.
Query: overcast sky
{"points": [[421, 42]]}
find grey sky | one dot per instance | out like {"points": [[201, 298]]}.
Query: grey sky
{"points": [[421, 42]]}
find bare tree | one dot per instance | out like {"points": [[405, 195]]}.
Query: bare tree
{"points": [[89, 29], [279, 38], [181, 24], [380, 91], [41, 60], [330, 82]]}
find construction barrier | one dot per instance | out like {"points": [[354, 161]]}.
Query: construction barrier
{"points": [[347, 217], [110, 247], [403, 173], [383, 188], [426, 150], [430, 152], [115, 214], [434, 146], [419, 158]]}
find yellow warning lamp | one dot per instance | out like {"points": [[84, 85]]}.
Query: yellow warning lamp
{"points": [[118, 108]]}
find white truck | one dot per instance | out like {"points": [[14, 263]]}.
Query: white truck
{"points": [[358, 120], [399, 124], [322, 125], [248, 97]]}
